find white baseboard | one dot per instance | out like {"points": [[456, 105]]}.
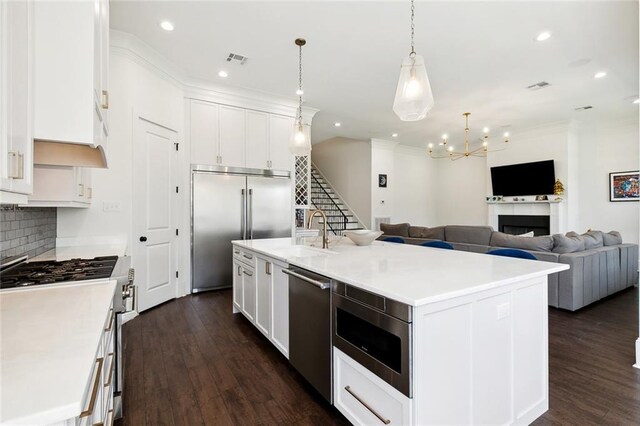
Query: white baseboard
{"points": [[128, 316]]}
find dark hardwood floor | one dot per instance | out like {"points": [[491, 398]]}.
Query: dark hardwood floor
{"points": [[191, 362]]}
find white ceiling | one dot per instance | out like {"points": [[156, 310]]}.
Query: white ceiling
{"points": [[480, 56]]}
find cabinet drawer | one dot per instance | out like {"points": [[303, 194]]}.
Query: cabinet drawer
{"points": [[364, 398], [245, 256]]}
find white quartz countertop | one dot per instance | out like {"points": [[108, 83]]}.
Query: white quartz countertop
{"points": [[49, 340], [82, 252], [407, 273]]}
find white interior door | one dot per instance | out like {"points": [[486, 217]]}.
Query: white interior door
{"points": [[154, 222]]}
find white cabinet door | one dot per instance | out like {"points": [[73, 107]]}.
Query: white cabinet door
{"points": [[103, 71], [16, 60], [68, 74], [249, 294], [264, 270], [280, 129], [61, 186], [257, 140], [280, 309], [237, 286], [232, 133], [204, 132]]}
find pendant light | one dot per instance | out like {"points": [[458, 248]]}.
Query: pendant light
{"points": [[413, 95], [300, 142]]}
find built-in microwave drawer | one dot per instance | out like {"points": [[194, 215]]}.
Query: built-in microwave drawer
{"points": [[364, 398]]}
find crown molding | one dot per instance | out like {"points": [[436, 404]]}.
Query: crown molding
{"points": [[131, 47]]}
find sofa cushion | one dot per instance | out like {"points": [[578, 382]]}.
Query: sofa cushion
{"points": [[592, 239], [541, 243], [468, 234], [436, 233], [611, 238], [399, 229], [569, 243]]}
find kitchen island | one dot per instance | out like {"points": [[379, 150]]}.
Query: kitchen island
{"points": [[478, 327]]}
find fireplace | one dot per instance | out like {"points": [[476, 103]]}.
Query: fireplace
{"points": [[521, 224]]}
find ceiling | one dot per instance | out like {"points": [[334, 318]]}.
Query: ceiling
{"points": [[480, 57]]}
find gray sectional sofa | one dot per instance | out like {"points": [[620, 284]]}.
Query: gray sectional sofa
{"points": [[601, 264]]}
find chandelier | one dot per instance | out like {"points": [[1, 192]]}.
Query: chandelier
{"points": [[413, 94], [481, 151], [300, 142]]}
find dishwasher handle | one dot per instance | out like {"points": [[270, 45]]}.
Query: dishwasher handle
{"points": [[323, 285]]}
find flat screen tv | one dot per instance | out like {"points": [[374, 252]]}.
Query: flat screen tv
{"points": [[523, 179]]}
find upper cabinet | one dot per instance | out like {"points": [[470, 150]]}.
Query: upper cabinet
{"points": [[16, 89], [71, 48], [236, 137]]}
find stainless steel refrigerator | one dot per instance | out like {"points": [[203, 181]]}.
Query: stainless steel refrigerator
{"points": [[233, 204]]}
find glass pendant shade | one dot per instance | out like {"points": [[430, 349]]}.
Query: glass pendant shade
{"points": [[300, 142], [413, 95]]}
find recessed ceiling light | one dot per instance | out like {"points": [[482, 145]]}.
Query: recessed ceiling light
{"points": [[337, 124], [545, 35], [166, 25], [299, 92], [394, 135], [600, 74], [223, 74], [637, 101]]}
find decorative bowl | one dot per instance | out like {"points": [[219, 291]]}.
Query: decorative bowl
{"points": [[362, 237]]}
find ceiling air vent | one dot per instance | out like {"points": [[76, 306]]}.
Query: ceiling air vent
{"points": [[582, 108], [538, 86], [234, 57]]}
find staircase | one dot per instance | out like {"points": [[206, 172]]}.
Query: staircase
{"points": [[323, 197]]}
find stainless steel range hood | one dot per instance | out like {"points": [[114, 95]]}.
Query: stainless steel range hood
{"points": [[68, 154]]}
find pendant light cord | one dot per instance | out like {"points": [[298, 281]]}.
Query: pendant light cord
{"points": [[413, 51], [300, 84]]}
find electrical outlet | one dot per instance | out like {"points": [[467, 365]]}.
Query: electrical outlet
{"points": [[111, 206], [503, 310]]}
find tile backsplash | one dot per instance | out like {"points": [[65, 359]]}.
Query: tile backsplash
{"points": [[29, 231]]}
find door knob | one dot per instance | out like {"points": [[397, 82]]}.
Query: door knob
{"points": [[143, 239]]}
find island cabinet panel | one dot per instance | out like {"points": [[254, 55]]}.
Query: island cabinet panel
{"points": [[364, 398], [261, 293], [482, 358]]}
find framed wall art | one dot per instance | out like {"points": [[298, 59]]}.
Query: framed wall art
{"points": [[623, 186], [382, 181]]}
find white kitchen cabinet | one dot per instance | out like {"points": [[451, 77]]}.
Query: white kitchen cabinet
{"points": [[264, 282], [203, 132], [61, 186], [16, 66], [280, 309], [71, 95], [364, 398], [261, 293], [235, 137], [280, 129], [232, 136], [257, 138]]}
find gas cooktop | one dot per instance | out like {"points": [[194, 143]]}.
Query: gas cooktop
{"points": [[50, 272]]}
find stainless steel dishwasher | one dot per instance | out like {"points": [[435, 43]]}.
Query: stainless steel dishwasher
{"points": [[310, 328]]}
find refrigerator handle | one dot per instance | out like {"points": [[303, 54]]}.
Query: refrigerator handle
{"points": [[250, 215], [243, 217]]}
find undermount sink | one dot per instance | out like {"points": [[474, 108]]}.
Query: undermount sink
{"points": [[304, 251]]}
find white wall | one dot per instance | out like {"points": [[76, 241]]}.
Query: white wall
{"points": [[605, 147], [382, 162], [346, 164], [415, 182], [132, 88]]}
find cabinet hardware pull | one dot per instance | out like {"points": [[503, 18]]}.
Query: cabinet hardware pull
{"points": [[248, 273], [267, 268], [236, 252], [81, 191], [14, 168], [239, 270], [90, 193], [110, 375], [320, 284], [247, 256], [367, 406], [108, 329], [94, 391], [105, 99], [20, 166]]}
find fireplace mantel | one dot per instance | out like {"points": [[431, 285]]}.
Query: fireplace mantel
{"points": [[554, 209]]}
